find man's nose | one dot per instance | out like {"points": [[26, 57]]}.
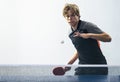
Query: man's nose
{"points": [[70, 18]]}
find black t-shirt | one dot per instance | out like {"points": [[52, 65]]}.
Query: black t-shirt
{"points": [[88, 49]]}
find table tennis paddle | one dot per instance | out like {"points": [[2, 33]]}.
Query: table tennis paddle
{"points": [[58, 71]]}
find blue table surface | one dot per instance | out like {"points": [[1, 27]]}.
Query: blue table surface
{"points": [[85, 78]]}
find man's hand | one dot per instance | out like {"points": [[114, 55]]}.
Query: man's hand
{"points": [[67, 68], [83, 35]]}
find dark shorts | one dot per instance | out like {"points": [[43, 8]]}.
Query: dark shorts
{"points": [[91, 71]]}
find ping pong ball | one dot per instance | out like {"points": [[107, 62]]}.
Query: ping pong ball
{"points": [[62, 42]]}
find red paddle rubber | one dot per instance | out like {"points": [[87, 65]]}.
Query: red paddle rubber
{"points": [[58, 71]]}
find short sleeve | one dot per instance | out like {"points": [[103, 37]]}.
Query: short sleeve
{"points": [[92, 28]]}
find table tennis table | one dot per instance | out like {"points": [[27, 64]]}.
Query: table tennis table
{"points": [[38, 73], [93, 78]]}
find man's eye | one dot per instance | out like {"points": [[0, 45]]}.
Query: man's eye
{"points": [[67, 16]]}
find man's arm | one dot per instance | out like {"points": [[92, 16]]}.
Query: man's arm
{"points": [[74, 58], [71, 61], [102, 37]]}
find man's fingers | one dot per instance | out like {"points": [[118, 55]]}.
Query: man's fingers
{"points": [[67, 68], [77, 34]]}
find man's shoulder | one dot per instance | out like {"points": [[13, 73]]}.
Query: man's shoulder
{"points": [[91, 27], [87, 23]]}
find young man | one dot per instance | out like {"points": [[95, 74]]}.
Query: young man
{"points": [[85, 36]]}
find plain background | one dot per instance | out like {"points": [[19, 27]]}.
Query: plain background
{"points": [[31, 31]]}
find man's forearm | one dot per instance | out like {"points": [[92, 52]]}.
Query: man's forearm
{"points": [[102, 37], [73, 59]]}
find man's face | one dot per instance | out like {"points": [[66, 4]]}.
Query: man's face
{"points": [[72, 19]]}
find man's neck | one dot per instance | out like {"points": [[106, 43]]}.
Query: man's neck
{"points": [[75, 27]]}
